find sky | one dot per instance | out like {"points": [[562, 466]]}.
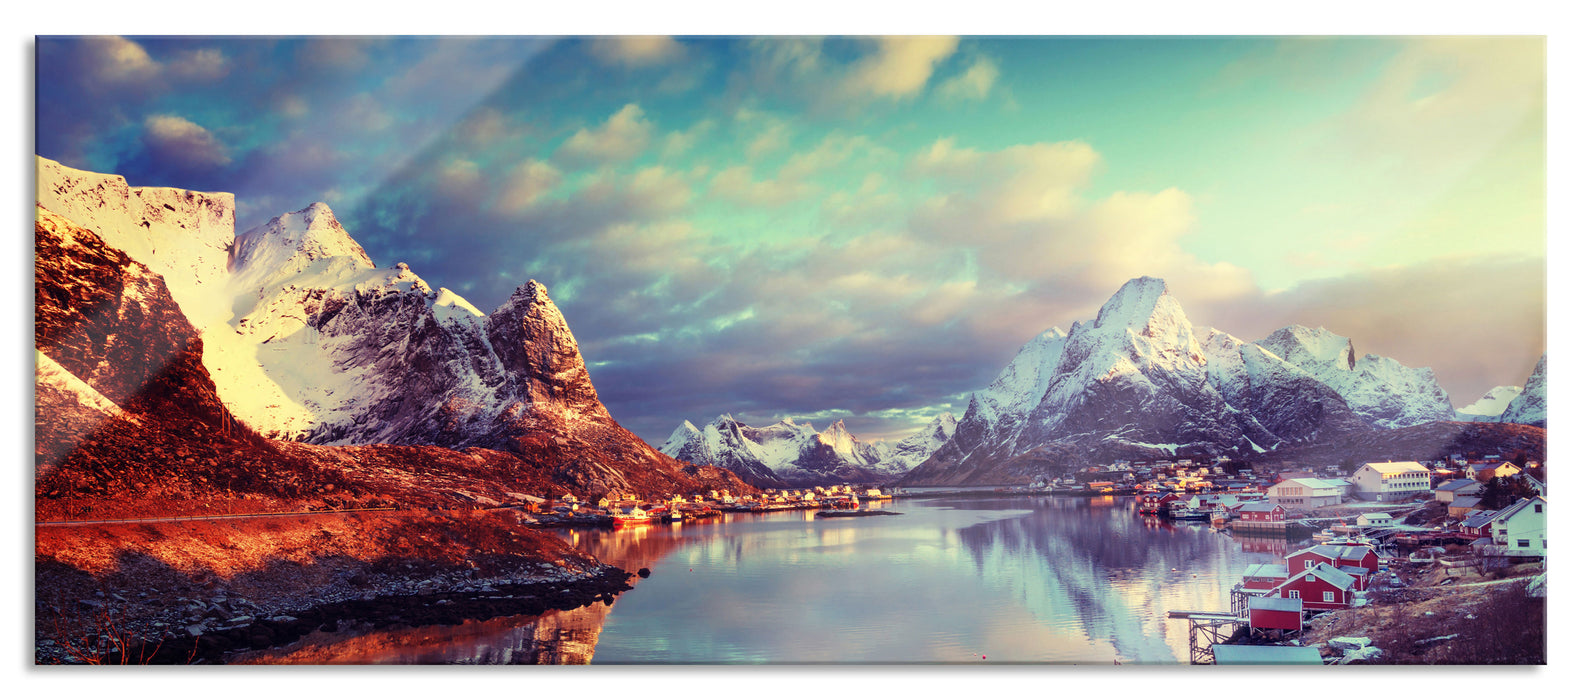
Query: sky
{"points": [[868, 228]]}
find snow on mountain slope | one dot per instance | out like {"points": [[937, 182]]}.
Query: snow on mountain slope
{"points": [[913, 449], [1531, 407], [1490, 406], [1383, 391], [186, 237], [1137, 381]]}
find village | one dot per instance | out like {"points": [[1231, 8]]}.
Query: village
{"points": [[1387, 531], [626, 510]]}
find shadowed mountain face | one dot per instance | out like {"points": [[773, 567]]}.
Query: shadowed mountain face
{"points": [[294, 334], [1139, 382]]}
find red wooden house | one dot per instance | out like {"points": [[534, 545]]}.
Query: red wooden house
{"points": [[1155, 502], [1267, 613], [1262, 512], [1322, 587], [1477, 525]]}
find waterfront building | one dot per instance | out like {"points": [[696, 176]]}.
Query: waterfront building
{"points": [[1389, 481], [1306, 493], [1450, 490]]}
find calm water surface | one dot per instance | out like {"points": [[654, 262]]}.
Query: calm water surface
{"points": [[957, 580]]}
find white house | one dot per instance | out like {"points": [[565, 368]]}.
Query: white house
{"points": [[1306, 493], [1522, 528], [1374, 519], [1390, 481]]}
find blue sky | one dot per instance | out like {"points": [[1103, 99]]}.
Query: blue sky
{"points": [[867, 229]]}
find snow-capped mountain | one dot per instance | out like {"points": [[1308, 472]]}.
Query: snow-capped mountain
{"points": [[1138, 381], [306, 339], [910, 451], [786, 453], [1383, 391], [1531, 407], [1491, 406]]}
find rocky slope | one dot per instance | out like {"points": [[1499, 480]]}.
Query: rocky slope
{"points": [[1531, 407], [1381, 390]]}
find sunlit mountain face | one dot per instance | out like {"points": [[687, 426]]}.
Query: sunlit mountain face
{"points": [[868, 228]]}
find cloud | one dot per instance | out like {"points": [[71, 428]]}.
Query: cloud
{"points": [[635, 51], [973, 83], [182, 144], [899, 67], [679, 143], [116, 61], [200, 65], [1021, 183], [525, 185], [736, 184], [621, 138]]}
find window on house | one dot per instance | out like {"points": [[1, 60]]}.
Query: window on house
{"points": [[1538, 507], [1293, 594], [1309, 578], [1329, 596], [1522, 544]]}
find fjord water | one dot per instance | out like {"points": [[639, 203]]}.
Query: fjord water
{"points": [[953, 580], [1028, 579]]}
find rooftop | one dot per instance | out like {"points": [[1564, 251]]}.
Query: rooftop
{"points": [[1265, 655]]}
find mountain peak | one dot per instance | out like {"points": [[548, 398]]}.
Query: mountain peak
{"points": [[288, 243], [1318, 343], [1133, 304]]}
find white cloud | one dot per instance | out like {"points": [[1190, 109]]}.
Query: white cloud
{"points": [[971, 84], [114, 60], [899, 67], [525, 185], [173, 139], [621, 138]]}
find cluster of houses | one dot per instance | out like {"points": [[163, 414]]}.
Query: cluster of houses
{"points": [[1273, 504]]}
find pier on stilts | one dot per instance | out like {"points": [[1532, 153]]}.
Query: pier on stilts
{"points": [[1208, 629]]}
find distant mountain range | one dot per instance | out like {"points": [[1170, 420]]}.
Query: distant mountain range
{"points": [[1139, 381], [788, 454]]}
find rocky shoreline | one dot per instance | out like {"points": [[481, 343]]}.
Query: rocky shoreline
{"points": [[227, 624]]}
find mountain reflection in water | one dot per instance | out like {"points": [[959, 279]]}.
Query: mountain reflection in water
{"points": [[1030, 579]]}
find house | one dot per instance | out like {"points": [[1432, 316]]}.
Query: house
{"points": [[1477, 525], [1489, 471], [1274, 614], [1357, 560], [1450, 490], [1262, 512], [1463, 505], [1320, 587], [1374, 519], [1306, 493], [1155, 502], [1522, 528], [1389, 481]]}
